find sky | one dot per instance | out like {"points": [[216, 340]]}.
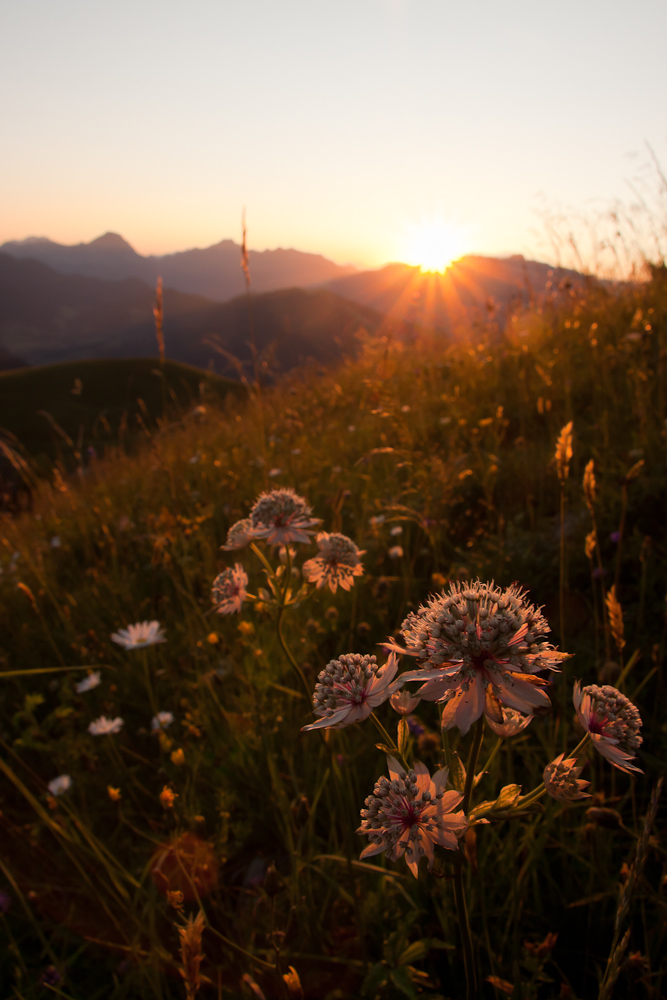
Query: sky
{"points": [[351, 129]]}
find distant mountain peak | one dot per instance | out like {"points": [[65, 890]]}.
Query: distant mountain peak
{"points": [[111, 241]]}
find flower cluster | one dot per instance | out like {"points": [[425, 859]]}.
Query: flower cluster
{"points": [[411, 812], [611, 719], [238, 535], [338, 562], [479, 648], [349, 688], [561, 779], [281, 517], [229, 590]]}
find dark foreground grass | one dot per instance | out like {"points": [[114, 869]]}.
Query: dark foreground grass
{"points": [[454, 445]]}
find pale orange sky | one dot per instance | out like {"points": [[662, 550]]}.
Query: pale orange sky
{"points": [[341, 127]]}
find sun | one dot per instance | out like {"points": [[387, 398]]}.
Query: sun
{"points": [[434, 245]]}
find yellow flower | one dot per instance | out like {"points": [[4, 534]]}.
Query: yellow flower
{"points": [[178, 757], [168, 797], [114, 793], [246, 628], [213, 638]]}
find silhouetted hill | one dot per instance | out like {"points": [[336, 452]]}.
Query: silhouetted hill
{"points": [[47, 317], [473, 288], [214, 271]]}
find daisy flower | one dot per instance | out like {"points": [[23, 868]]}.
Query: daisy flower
{"points": [[139, 635], [479, 648], [338, 562], [349, 688], [238, 535], [161, 721], [60, 784], [610, 719], [229, 590], [281, 517], [89, 682], [561, 778], [104, 726], [411, 812]]}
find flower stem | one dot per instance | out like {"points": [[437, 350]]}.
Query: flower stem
{"points": [[389, 741], [478, 736], [288, 654], [466, 939]]}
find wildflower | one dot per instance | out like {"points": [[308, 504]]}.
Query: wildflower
{"points": [[238, 535], [395, 552], [411, 812], [175, 898], [178, 757], [114, 793], [229, 590], [338, 562], [610, 718], [513, 722], [139, 635], [281, 517], [89, 682], [161, 721], [396, 530], [55, 542], [60, 784], [480, 648], [349, 688], [274, 473], [103, 726], [561, 778], [168, 797], [564, 452], [403, 702]]}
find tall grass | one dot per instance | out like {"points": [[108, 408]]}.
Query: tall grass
{"points": [[245, 876]]}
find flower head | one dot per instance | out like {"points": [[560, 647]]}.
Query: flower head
{"points": [[338, 562], [229, 590], [60, 784], [139, 635], [513, 722], [479, 648], [610, 718], [281, 517], [411, 812], [114, 793], [561, 778], [349, 688], [104, 726], [403, 702], [238, 535], [167, 797], [161, 721], [89, 682]]}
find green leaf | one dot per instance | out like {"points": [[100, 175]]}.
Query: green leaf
{"points": [[385, 749], [415, 952], [375, 978], [508, 796], [402, 980]]}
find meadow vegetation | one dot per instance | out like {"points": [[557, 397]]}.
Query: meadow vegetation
{"points": [[213, 850]]}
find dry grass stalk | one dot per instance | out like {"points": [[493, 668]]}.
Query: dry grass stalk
{"points": [[191, 953], [159, 317], [590, 485], [591, 542], [564, 452], [615, 618]]}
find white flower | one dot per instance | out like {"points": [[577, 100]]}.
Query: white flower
{"points": [[395, 552], [338, 562], [89, 682], [610, 718], [161, 721], [60, 784], [55, 542], [139, 635], [349, 688], [229, 590], [104, 726], [396, 530], [274, 473]]}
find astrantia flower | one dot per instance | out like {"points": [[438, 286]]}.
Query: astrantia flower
{"points": [[60, 784], [161, 721], [349, 688], [479, 648], [238, 535], [403, 702], [89, 682], [338, 562], [610, 719], [139, 635], [229, 590], [411, 812], [281, 517], [513, 722], [561, 778], [103, 726]]}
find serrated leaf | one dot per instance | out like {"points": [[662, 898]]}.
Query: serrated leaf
{"points": [[457, 772], [403, 736]]}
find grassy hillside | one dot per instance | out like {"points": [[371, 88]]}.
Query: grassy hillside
{"points": [[54, 410], [439, 462]]}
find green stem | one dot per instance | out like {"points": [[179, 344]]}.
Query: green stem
{"points": [[260, 555], [478, 736], [466, 940], [288, 654], [389, 741], [493, 753]]}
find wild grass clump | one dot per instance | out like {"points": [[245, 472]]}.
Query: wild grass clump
{"points": [[203, 844]]}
